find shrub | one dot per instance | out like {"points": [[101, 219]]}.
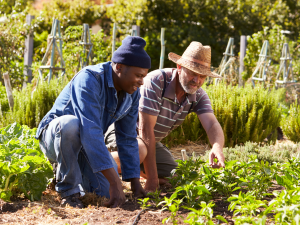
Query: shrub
{"points": [[23, 166], [4, 106], [245, 114], [30, 105], [270, 153], [291, 124]]}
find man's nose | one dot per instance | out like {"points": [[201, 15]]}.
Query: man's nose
{"points": [[196, 79], [141, 81]]}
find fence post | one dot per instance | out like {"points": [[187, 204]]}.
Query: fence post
{"points": [[114, 39], [8, 90], [162, 53], [28, 53], [243, 45], [137, 29]]}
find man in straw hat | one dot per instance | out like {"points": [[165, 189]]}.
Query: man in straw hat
{"points": [[167, 96]]}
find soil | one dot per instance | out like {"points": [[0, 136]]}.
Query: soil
{"points": [[48, 210]]}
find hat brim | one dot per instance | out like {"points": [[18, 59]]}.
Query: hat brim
{"points": [[193, 66]]}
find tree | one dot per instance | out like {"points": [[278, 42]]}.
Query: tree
{"points": [[210, 22]]}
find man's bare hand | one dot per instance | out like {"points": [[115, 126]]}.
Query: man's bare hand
{"points": [[216, 153], [137, 188], [151, 185], [117, 196]]}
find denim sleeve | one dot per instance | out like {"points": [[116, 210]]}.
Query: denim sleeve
{"points": [[86, 100], [127, 143]]}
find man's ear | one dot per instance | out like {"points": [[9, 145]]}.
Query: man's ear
{"points": [[178, 69], [118, 67]]}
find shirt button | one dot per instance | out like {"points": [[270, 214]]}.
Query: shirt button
{"points": [[111, 115], [115, 117]]}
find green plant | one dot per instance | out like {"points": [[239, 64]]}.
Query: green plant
{"points": [[23, 166], [291, 124], [202, 216], [258, 177], [155, 196], [144, 203], [246, 204], [263, 152], [186, 172], [172, 204], [193, 193], [286, 206], [31, 104]]}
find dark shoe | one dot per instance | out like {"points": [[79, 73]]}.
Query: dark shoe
{"points": [[72, 200]]}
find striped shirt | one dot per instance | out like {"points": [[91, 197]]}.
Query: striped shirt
{"points": [[170, 113]]}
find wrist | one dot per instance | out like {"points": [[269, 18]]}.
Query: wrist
{"points": [[134, 180]]}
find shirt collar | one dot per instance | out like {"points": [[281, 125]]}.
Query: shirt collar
{"points": [[108, 71], [170, 89]]}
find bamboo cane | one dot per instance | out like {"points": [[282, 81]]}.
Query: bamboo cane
{"points": [[8, 90], [162, 53], [114, 39]]}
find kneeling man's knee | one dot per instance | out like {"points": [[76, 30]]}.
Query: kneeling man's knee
{"points": [[70, 125]]}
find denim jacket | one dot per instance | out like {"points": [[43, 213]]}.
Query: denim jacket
{"points": [[92, 98]]}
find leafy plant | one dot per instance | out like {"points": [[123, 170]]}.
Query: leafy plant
{"points": [[144, 203], [258, 177], [193, 193], [172, 204], [291, 124], [31, 105], [202, 216], [155, 196], [23, 166], [246, 204]]}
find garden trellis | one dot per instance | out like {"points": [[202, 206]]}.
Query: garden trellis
{"points": [[52, 47], [227, 60], [87, 46], [260, 72], [286, 67]]}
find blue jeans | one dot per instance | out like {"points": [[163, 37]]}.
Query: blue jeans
{"points": [[60, 142]]}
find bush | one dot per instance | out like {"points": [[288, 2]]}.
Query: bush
{"points": [[23, 166], [245, 114], [270, 153], [291, 124], [4, 106], [30, 106]]}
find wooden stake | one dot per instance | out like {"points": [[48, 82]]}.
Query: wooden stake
{"points": [[8, 90], [162, 53], [183, 154], [114, 39]]}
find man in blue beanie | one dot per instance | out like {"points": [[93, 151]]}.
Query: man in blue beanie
{"points": [[71, 134]]}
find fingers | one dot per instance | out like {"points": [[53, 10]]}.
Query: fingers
{"points": [[219, 157], [113, 203], [108, 204]]}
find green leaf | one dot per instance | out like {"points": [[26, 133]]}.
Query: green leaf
{"points": [[219, 217]]}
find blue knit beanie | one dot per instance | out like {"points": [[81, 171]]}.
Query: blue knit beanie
{"points": [[132, 53]]}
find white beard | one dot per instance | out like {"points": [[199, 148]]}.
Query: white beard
{"points": [[185, 87]]}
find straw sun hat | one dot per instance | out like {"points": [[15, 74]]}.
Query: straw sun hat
{"points": [[196, 58]]}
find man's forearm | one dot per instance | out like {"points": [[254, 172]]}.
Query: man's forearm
{"points": [[150, 160], [216, 136]]}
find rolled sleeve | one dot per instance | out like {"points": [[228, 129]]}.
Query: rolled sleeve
{"points": [[86, 102], [127, 143]]}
